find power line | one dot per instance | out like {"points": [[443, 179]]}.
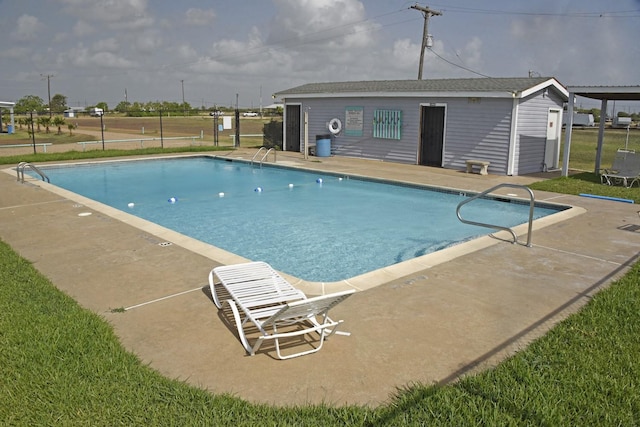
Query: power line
{"points": [[608, 14], [458, 65]]}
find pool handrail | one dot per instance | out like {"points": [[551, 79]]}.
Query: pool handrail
{"points": [[265, 155], [20, 171], [256, 155], [499, 227]]}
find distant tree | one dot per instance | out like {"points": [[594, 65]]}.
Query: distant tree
{"points": [[103, 105], [44, 121], [58, 103], [123, 107], [71, 127], [59, 121], [29, 103]]}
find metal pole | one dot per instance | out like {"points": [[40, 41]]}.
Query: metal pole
{"points": [[161, 134], [215, 125], [603, 118], [48, 77], [102, 131], [567, 135], [33, 134], [237, 141], [184, 113], [306, 135]]}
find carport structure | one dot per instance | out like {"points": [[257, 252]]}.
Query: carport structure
{"points": [[604, 94]]}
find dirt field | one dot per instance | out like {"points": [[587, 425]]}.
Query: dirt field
{"points": [[131, 133], [171, 126]]}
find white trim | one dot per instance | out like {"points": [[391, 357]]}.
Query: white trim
{"points": [[412, 94], [512, 136], [549, 83]]}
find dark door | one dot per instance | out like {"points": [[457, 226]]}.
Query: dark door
{"points": [[292, 119], [431, 136]]}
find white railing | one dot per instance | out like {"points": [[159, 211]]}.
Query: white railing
{"points": [[44, 146], [141, 140], [500, 227]]}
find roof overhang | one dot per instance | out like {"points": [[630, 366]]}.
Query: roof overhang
{"points": [[549, 83], [618, 93], [426, 93], [416, 94], [5, 104]]}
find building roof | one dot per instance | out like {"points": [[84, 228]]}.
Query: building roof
{"points": [[501, 87], [620, 93]]}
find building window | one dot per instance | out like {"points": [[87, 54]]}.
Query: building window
{"points": [[387, 124]]}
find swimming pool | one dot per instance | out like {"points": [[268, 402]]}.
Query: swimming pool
{"points": [[315, 226]]}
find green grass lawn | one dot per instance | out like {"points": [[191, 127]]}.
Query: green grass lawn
{"points": [[63, 365]]}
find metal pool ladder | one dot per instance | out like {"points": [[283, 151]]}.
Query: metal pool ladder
{"points": [[499, 227], [265, 155], [20, 171]]}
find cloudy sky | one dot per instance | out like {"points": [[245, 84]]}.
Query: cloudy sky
{"points": [[94, 50]]}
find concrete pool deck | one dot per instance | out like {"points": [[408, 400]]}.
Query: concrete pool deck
{"points": [[425, 326]]}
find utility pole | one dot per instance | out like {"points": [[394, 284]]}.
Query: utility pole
{"points": [[426, 37], [48, 77]]}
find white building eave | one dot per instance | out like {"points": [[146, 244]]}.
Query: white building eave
{"points": [[438, 94], [549, 83]]}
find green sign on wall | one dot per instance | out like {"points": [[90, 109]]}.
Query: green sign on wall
{"points": [[353, 121]]}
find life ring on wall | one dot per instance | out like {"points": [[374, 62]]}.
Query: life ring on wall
{"points": [[335, 126]]}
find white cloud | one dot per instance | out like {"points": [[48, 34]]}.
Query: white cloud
{"points": [[115, 14], [147, 42], [109, 44], [199, 17], [83, 28], [16, 53], [27, 28], [81, 56], [405, 54], [320, 24]]}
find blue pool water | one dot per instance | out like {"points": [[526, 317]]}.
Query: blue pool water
{"points": [[314, 226]]}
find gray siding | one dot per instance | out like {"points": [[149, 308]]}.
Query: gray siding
{"points": [[322, 110], [531, 134], [478, 130], [475, 128]]}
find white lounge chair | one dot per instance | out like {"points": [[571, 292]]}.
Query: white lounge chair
{"points": [[625, 169], [260, 296]]}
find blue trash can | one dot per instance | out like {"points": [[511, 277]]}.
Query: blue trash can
{"points": [[9, 129], [323, 145]]}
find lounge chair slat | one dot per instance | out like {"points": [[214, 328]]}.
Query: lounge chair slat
{"points": [[261, 296]]}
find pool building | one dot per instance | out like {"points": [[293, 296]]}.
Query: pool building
{"points": [[514, 124]]}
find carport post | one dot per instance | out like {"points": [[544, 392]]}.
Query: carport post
{"points": [[603, 119], [567, 137]]}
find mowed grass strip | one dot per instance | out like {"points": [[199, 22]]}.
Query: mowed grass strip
{"points": [[63, 365]]}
